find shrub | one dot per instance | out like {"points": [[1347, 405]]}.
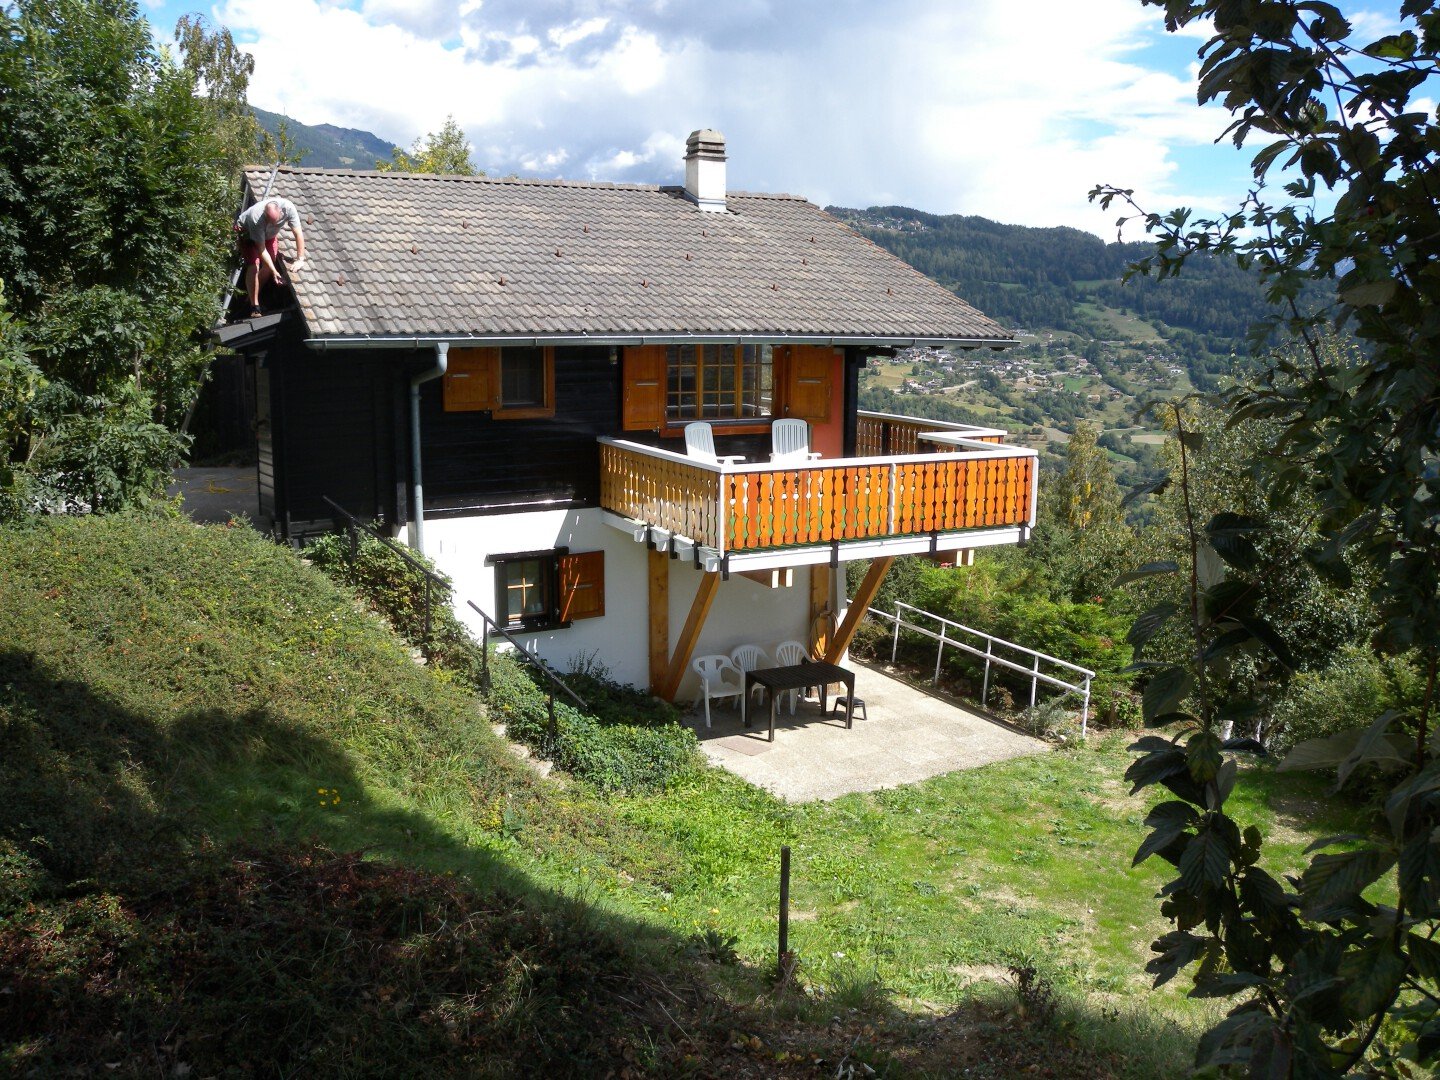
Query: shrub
{"points": [[1350, 693], [396, 591], [626, 741]]}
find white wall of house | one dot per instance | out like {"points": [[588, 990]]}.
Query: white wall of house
{"points": [[743, 611]]}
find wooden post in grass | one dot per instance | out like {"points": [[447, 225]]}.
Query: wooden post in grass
{"points": [[784, 908]]}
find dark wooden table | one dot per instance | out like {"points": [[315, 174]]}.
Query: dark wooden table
{"points": [[811, 673]]}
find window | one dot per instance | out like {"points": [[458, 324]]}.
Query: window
{"points": [[717, 382], [548, 590], [510, 383]]}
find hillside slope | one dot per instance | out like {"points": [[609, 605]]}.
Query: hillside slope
{"points": [[326, 146]]}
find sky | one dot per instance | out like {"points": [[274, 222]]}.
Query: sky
{"points": [[990, 107]]}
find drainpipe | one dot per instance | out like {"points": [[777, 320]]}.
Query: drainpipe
{"points": [[417, 520]]}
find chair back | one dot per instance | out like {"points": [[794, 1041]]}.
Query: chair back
{"points": [[748, 657], [700, 442], [790, 653], [789, 438], [712, 669]]}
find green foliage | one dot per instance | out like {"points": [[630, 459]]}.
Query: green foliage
{"points": [[397, 591], [625, 741], [113, 215], [445, 151], [1346, 695]]}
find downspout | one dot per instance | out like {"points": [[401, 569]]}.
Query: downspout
{"points": [[417, 520]]}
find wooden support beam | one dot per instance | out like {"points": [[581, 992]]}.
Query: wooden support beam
{"points": [[780, 578], [819, 626], [658, 572], [694, 622], [864, 596]]}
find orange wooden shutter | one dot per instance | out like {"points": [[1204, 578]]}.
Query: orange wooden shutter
{"points": [[807, 382], [644, 396], [471, 378], [582, 585]]}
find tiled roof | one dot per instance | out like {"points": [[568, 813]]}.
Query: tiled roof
{"points": [[391, 254]]}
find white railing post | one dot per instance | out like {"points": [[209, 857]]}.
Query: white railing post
{"points": [[985, 687], [939, 656], [1085, 709], [895, 643], [1034, 680]]}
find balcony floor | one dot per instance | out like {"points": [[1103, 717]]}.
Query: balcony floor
{"points": [[910, 736]]}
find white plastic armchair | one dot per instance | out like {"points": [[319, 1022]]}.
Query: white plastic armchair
{"points": [[788, 654], [790, 441], [719, 678], [748, 658], [700, 445]]}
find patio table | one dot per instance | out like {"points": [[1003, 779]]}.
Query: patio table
{"points": [[810, 673]]}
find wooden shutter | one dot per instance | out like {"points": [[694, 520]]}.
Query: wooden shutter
{"points": [[582, 585], [807, 381], [643, 406], [472, 379]]}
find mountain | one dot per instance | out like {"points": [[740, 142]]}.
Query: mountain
{"points": [[326, 146]]}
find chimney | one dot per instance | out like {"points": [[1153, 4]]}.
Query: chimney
{"points": [[705, 169]]}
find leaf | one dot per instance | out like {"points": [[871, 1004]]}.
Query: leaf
{"points": [[1232, 537], [1397, 806], [1369, 293], [1425, 955], [1176, 949], [1155, 767], [1226, 643], [1202, 756], [1226, 985], [1419, 876], [1331, 841], [1263, 894], [1264, 633], [1153, 487], [1205, 861], [1209, 567], [1331, 879], [1168, 820], [1225, 782], [1371, 746], [1149, 623], [1165, 691], [1230, 1041], [1371, 975], [1320, 753], [1151, 569]]}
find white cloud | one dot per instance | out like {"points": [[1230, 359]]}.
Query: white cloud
{"points": [[949, 107]]}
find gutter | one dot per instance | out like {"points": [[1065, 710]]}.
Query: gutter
{"points": [[417, 489], [420, 341]]}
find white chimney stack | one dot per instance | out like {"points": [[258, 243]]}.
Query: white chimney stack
{"points": [[705, 169]]}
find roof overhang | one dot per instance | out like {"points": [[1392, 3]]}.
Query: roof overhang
{"points": [[246, 333], [427, 341]]}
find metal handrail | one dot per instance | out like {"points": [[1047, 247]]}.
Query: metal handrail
{"points": [[354, 525], [1033, 671]]}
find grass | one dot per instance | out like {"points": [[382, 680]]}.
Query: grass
{"points": [[182, 703]]}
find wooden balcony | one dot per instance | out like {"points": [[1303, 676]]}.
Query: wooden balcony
{"points": [[956, 488]]}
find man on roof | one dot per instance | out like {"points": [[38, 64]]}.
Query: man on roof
{"points": [[259, 228]]}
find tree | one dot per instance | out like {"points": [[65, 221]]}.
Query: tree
{"points": [[1319, 970], [445, 151], [114, 230]]}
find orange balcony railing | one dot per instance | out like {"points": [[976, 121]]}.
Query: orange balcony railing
{"points": [[753, 507]]}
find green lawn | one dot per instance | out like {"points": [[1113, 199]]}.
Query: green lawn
{"points": [[169, 687]]}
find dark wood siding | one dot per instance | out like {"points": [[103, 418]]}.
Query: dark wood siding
{"points": [[265, 442], [334, 433], [474, 463]]}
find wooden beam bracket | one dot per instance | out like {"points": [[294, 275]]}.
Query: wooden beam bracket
{"points": [[858, 606]]}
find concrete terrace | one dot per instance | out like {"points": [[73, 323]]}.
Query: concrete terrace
{"points": [[909, 736]]}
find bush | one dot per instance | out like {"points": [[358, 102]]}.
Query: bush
{"points": [[626, 741], [396, 591], [1350, 693]]}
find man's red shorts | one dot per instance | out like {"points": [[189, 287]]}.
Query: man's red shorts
{"points": [[250, 251]]}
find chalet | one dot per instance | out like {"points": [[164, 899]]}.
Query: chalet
{"points": [[504, 370]]}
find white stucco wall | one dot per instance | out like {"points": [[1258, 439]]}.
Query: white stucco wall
{"points": [[743, 611]]}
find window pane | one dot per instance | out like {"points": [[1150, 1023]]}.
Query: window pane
{"points": [[525, 590], [522, 377]]}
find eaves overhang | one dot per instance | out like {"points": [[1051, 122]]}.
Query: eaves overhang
{"points": [[428, 341]]}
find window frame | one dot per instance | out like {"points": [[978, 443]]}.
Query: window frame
{"points": [[762, 365], [487, 364], [553, 566]]}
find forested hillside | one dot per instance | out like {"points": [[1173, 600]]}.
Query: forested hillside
{"points": [[326, 146]]}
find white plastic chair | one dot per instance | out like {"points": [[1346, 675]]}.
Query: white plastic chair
{"points": [[700, 445], [719, 678], [788, 654], [748, 658], [790, 440]]}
